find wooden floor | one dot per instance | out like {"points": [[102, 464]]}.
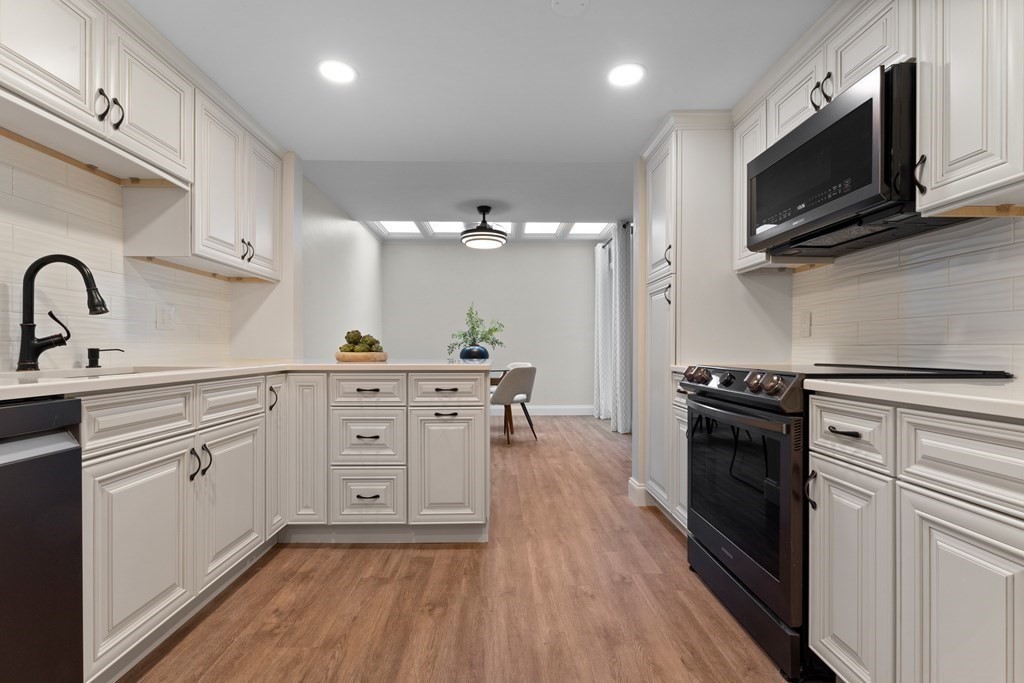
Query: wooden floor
{"points": [[576, 584]]}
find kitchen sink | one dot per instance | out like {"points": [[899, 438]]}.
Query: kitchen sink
{"points": [[40, 376]]}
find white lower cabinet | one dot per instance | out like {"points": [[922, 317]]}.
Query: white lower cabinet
{"points": [[138, 545], [679, 498], [961, 591], [660, 351], [277, 449], [447, 465], [852, 571], [307, 466], [229, 496]]}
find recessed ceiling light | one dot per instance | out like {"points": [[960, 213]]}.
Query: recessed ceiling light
{"points": [[588, 228], [541, 228], [337, 72], [626, 74], [447, 227], [400, 227]]}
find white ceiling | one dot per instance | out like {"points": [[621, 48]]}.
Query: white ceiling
{"points": [[466, 100]]}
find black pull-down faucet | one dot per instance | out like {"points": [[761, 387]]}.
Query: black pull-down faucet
{"points": [[32, 348]]}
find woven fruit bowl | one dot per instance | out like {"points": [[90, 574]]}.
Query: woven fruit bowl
{"points": [[358, 357]]}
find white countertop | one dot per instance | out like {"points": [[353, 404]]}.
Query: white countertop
{"points": [[22, 385], [992, 397]]}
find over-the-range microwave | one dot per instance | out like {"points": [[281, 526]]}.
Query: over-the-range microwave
{"points": [[844, 179]]}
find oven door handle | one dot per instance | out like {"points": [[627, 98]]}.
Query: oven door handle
{"points": [[745, 420]]}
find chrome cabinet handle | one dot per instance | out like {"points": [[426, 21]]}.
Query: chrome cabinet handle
{"points": [[842, 432], [209, 453], [195, 455], [117, 124], [817, 86], [807, 490], [273, 390], [828, 77], [106, 110]]}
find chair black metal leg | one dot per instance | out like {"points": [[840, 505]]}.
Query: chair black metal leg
{"points": [[530, 421]]}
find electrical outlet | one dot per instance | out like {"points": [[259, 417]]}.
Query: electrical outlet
{"points": [[164, 317], [805, 324]]}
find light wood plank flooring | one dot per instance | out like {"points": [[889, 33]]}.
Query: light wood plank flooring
{"points": [[576, 584]]}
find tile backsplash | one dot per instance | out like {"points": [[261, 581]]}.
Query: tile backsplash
{"points": [[48, 206], [948, 298]]}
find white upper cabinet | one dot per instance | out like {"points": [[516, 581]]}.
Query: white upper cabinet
{"points": [[263, 209], [748, 142], [52, 53], [878, 34], [219, 190], [970, 103], [660, 210], [153, 108], [793, 100]]}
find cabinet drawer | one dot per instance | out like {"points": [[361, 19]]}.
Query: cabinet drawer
{"points": [[377, 387], [223, 401], [136, 417], [367, 436], [368, 496], [861, 433], [446, 388], [979, 460]]}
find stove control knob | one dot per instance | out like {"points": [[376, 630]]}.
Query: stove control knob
{"points": [[702, 376], [754, 382], [774, 385], [726, 379], [688, 373]]}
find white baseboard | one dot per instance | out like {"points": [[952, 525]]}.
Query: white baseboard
{"points": [[378, 533], [548, 410], [638, 494]]}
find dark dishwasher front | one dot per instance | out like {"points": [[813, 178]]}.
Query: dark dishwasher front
{"points": [[41, 541]]}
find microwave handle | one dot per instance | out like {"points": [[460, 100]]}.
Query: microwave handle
{"points": [[745, 420]]}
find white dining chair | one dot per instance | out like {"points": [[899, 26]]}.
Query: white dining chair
{"points": [[516, 386], [509, 367]]}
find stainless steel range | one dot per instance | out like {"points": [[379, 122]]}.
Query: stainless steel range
{"points": [[747, 472]]}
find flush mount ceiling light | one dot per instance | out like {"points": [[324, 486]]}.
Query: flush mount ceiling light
{"points": [[337, 72], [485, 235], [588, 228], [541, 228], [625, 75]]}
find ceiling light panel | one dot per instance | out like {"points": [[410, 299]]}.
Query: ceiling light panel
{"points": [[625, 75], [337, 72], [400, 227], [447, 227], [541, 228], [588, 228]]}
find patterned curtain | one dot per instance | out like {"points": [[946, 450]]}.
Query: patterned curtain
{"points": [[613, 332]]}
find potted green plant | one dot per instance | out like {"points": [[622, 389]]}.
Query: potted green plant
{"points": [[476, 334]]}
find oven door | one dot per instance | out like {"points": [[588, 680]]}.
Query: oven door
{"points": [[746, 498]]}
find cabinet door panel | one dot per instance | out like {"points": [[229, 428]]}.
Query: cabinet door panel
{"points": [[962, 591], [880, 33], [852, 571], [447, 465], [219, 185], [263, 217], [660, 211], [748, 142], [138, 545], [51, 52], [231, 495], [970, 97], [789, 104], [660, 351], [680, 465], [158, 105], [307, 469], [278, 445]]}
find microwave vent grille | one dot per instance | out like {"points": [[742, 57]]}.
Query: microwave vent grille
{"points": [[843, 235]]}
